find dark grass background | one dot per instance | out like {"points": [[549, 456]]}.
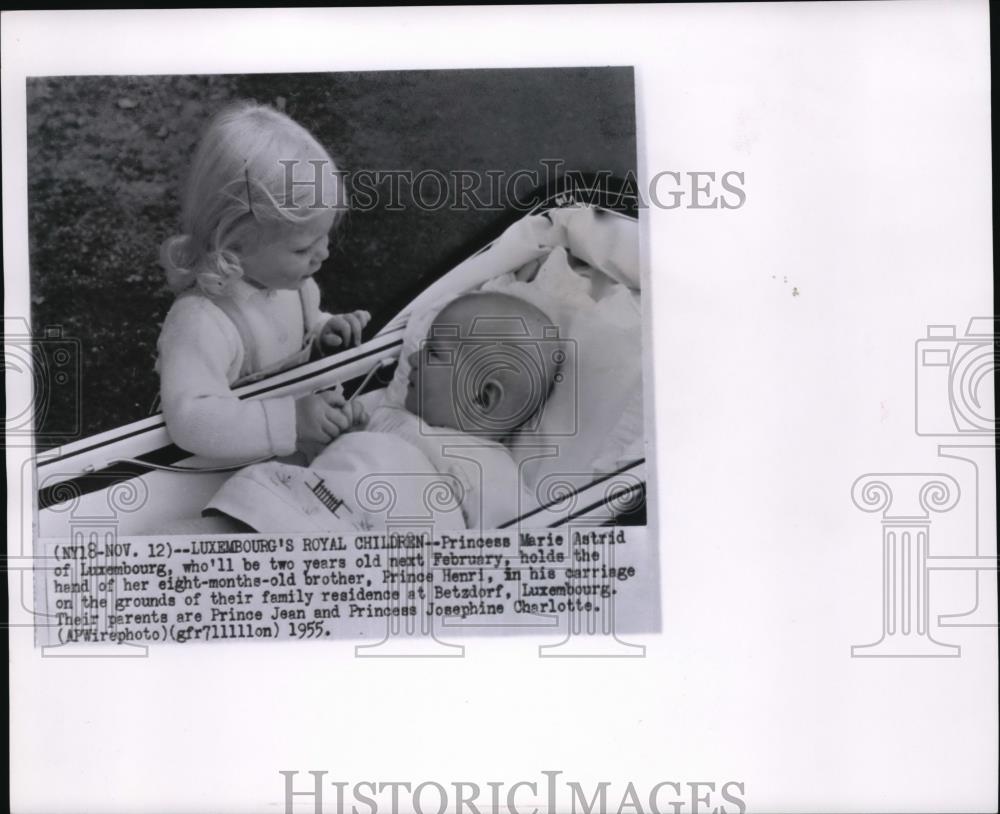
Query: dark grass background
{"points": [[107, 156]]}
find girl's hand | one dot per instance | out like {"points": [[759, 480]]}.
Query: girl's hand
{"points": [[343, 331], [322, 417], [319, 419]]}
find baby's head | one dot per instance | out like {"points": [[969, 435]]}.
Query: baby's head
{"points": [[486, 367], [261, 198]]}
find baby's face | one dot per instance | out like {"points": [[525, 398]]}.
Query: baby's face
{"points": [[478, 370], [431, 382]]}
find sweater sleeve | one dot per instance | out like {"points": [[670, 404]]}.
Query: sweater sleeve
{"points": [[200, 353], [315, 316]]}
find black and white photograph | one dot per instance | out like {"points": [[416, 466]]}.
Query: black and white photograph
{"points": [[265, 247], [399, 305], [578, 409]]}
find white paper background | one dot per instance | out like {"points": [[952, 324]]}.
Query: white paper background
{"points": [[863, 131]]}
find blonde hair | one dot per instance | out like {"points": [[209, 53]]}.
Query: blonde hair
{"points": [[239, 182]]}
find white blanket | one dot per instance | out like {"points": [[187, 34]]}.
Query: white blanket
{"points": [[389, 476]]}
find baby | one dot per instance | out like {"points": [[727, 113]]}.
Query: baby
{"points": [[483, 373]]}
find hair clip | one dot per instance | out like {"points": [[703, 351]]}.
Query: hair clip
{"points": [[246, 175]]}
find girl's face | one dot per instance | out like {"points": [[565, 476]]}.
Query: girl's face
{"points": [[284, 257]]}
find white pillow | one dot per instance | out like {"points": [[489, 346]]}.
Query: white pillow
{"points": [[604, 240], [583, 417]]}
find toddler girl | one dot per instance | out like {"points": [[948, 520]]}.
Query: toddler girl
{"points": [[260, 202]]}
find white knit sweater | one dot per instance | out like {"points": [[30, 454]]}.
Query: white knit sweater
{"points": [[201, 355]]}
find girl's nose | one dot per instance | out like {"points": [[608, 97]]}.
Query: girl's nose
{"points": [[324, 251]]}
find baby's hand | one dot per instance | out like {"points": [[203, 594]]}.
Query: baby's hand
{"points": [[356, 412], [343, 331]]}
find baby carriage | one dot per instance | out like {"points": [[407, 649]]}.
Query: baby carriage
{"points": [[578, 247]]}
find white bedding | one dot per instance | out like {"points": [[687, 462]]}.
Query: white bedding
{"points": [[389, 476], [364, 480]]}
